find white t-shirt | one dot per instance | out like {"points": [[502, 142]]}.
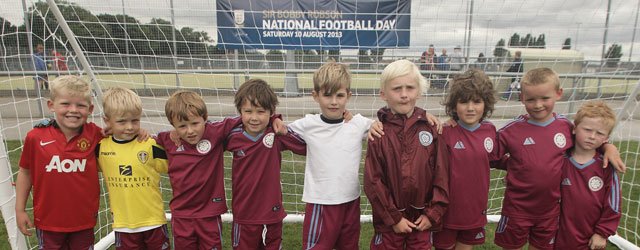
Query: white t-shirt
{"points": [[334, 151]]}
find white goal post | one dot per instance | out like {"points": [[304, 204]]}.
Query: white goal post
{"points": [[157, 49]]}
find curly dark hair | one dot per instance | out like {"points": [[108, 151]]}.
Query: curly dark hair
{"points": [[471, 85]]}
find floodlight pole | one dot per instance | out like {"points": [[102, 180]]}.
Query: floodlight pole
{"points": [[175, 46], [604, 44]]}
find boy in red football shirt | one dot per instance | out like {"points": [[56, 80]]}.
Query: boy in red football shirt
{"points": [[57, 160]]}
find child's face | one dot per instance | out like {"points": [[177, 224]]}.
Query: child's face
{"points": [[332, 105], [71, 111], [401, 94], [539, 100], [470, 112], [190, 130], [124, 127], [591, 133], [254, 118]]}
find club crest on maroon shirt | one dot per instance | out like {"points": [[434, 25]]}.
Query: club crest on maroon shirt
{"points": [[488, 144], [203, 146], [595, 183], [268, 140], [560, 140], [425, 138]]}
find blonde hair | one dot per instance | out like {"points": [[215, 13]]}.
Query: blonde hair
{"points": [[73, 85], [119, 101], [331, 77], [183, 103], [596, 109], [403, 68], [540, 76]]}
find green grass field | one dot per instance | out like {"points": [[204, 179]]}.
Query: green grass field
{"points": [[276, 80], [293, 172]]}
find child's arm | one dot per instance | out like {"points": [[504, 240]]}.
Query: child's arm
{"points": [[375, 188], [292, 141], [23, 188], [612, 155], [440, 198], [610, 215], [159, 156]]}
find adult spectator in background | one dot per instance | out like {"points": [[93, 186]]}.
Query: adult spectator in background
{"points": [[59, 62], [457, 59], [443, 61], [40, 65], [516, 67], [427, 60], [481, 62]]}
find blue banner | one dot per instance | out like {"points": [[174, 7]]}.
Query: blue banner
{"points": [[319, 24]]}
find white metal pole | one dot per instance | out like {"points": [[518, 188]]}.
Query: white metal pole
{"points": [[8, 200], [79, 53]]}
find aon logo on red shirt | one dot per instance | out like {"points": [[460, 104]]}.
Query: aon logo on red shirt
{"points": [[66, 165]]}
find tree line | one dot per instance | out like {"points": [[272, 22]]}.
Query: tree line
{"points": [[105, 33]]}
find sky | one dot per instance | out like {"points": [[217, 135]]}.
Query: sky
{"points": [[438, 22]]}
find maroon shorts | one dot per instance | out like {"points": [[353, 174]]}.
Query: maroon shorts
{"points": [[256, 236], [82, 239], [447, 238], [394, 241], [197, 233], [514, 232], [331, 226], [157, 238]]}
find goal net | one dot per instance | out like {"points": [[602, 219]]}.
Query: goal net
{"points": [[211, 47]]}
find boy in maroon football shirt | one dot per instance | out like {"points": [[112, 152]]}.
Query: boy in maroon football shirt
{"points": [[406, 171], [471, 145], [256, 187], [195, 171], [590, 194], [536, 144]]}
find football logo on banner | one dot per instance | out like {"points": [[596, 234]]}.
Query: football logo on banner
{"points": [[425, 138], [203, 146], [268, 140], [238, 17]]}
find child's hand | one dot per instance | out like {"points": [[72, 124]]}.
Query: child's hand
{"points": [[24, 223], [143, 135], [612, 155], [279, 127], [173, 135], [422, 223], [106, 131], [450, 122], [347, 115], [376, 130], [404, 226], [433, 120], [597, 242]]}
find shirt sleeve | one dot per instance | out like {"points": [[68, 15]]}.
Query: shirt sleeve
{"points": [[375, 187], [292, 141], [297, 126], [222, 129], [498, 157], [440, 197], [610, 215], [26, 158], [159, 156]]}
